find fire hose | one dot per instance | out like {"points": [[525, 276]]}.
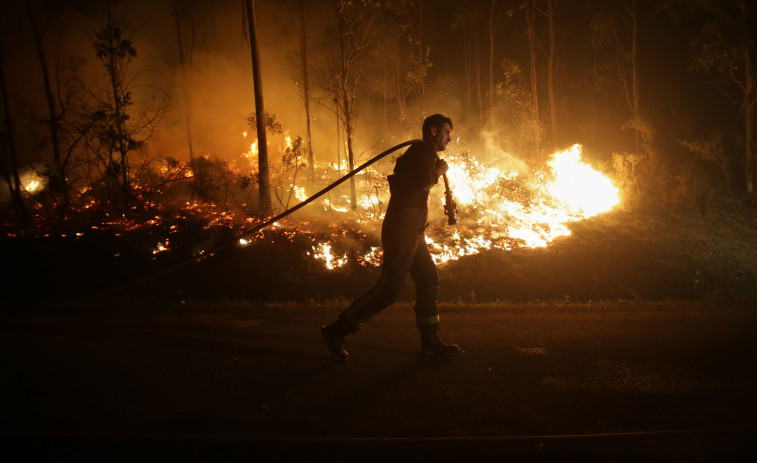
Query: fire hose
{"points": [[449, 208]]}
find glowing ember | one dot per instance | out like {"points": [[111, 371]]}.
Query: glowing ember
{"points": [[373, 257], [161, 247], [323, 253]]}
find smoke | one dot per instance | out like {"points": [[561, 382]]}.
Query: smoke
{"points": [[493, 150], [219, 84]]}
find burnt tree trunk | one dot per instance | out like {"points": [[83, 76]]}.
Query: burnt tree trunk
{"points": [[14, 184], [306, 94], [346, 90], [264, 183], [748, 118], [185, 60], [57, 176], [386, 99], [114, 51], [399, 89]]}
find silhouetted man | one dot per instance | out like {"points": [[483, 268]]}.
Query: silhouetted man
{"points": [[405, 249]]}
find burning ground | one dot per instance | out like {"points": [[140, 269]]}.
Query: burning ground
{"points": [[562, 233]]}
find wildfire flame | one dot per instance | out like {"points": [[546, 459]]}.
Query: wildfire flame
{"points": [[501, 210], [32, 182], [252, 154], [161, 247], [580, 187], [323, 253], [500, 207], [299, 193]]}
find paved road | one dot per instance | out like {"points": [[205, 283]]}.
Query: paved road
{"points": [[672, 381]]}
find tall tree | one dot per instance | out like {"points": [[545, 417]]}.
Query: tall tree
{"points": [[355, 24], [57, 174], [630, 77], [492, 26], [468, 68], [461, 23], [479, 93], [185, 15], [264, 183], [421, 60], [468, 19], [306, 92], [412, 25], [551, 58], [115, 52], [396, 21], [727, 46], [399, 87], [119, 125], [8, 148], [347, 82], [530, 9], [617, 29]]}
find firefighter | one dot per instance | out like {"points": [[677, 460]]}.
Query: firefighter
{"points": [[405, 249]]}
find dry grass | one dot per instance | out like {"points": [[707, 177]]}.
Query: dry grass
{"points": [[652, 254]]}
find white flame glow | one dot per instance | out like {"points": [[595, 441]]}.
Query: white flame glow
{"points": [[299, 193], [579, 186], [323, 253], [32, 182], [502, 209]]}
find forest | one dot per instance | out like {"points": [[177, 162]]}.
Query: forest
{"points": [[139, 135]]}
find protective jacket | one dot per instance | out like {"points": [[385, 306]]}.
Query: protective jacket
{"points": [[405, 249], [413, 177]]}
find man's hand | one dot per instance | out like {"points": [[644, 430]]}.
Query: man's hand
{"points": [[440, 168]]}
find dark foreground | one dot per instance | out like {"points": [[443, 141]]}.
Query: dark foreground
{"points": [[626, 381]]}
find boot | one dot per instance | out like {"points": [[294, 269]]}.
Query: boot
{"points": [[432, 345], [334, 336]]}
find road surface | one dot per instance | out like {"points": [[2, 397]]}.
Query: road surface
{"points": [[672, 381]]}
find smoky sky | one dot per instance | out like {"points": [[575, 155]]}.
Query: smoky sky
{"points": [[220, 82]]}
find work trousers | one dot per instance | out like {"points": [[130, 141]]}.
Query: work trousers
{"points": [[405, 252]]}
